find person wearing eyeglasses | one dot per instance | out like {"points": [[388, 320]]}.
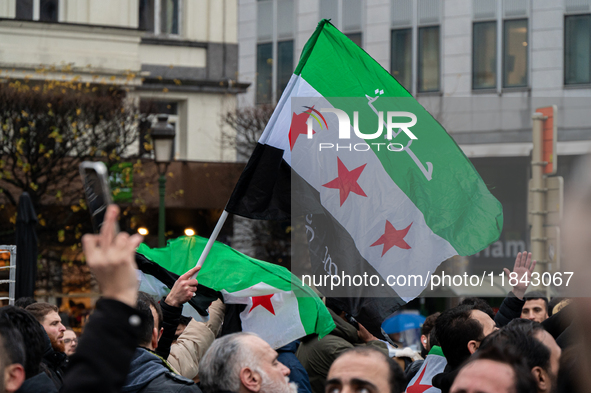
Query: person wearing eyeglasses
{"points": [[70, 342]]}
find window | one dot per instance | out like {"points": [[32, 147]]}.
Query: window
{"points": [[160, 16], [41, 10], [484, 55], [500, 52], [284, 65], [415, 44], [150, 109], [355, 37], [24, 9], [515, 53], [264, 74], [401, 59], [428, 59], [275, 49], [577, 49], [346, 16]]}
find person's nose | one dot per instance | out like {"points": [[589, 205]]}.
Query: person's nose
{"points": [[62, 327], [286, 371]]}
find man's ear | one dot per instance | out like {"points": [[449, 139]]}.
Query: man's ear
{"points": [[14, 376], [473, 345], [160, 333], [424, 340], [155, 337], [542, 378], [250, 379]]}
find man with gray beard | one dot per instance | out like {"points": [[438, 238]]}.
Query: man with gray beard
{"points": [[243, 363]]}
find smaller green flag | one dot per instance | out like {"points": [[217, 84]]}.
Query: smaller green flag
{"points": [[279, 307]]}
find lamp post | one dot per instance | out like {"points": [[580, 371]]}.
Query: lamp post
{"points": [[162, 138]]}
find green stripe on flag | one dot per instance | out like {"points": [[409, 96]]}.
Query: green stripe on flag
{"points": [[456, 203]]}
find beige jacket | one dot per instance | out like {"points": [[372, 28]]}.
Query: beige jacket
{"points": [[192, 344]]}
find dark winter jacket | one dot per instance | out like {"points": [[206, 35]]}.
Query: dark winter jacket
{"points": [[54, 364], [149, 373], [509, 310], [297, 372], [170, 321], [101, 361], [317, 355], [40, 383], [444, 380]]}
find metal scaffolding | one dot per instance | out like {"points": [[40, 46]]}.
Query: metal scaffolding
{"points": [[12, 275]]}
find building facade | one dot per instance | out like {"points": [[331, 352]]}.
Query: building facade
{"points": [[481, 68], [180, 56]]}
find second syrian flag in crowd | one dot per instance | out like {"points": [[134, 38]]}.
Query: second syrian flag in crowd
{"points": [[434, 364], [393, 203], [279, 307]]}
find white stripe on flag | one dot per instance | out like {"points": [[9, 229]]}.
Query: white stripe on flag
{"points": [[278, 326]]}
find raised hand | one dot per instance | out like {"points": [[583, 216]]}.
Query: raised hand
{"points": [[183, 289], [523, 266]]}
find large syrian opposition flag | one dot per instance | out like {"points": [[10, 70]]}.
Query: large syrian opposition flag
{"points": [[278, 307], [394, 206]]}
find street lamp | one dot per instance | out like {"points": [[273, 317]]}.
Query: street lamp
{"points": [[162, 139]]}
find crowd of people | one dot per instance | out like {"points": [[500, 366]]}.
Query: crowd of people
{"points": [[135, 343]]}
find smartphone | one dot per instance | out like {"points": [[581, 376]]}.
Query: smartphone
{"points": [[95, 179], [352, 320]]}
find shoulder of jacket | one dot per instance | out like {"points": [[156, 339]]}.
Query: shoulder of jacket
{"points": [[178, 378]]}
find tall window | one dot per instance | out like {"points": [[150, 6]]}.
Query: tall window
{"points": [[484, 52], [515, 53], [160, 16], [428, 59], [275, 49], [500, 53], [346, 16], [577, 49], [264, 73], [401, 59], [415, 54], [41, 10], [285, 65]]}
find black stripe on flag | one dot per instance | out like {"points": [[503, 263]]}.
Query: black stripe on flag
{"points": [[264, 188]]}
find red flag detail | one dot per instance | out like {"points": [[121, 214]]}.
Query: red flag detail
{"points": [[418, 387], [264, 301], [393, 237], [298, 127], [346, 182]]}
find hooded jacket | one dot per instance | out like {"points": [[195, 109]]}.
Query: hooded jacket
{"points": [[317, 355], [149, 373]]}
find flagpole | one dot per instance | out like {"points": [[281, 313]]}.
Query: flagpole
{"points": [[214, 235]]}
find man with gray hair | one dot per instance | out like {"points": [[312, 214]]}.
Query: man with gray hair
{"points": [[242, 363]]}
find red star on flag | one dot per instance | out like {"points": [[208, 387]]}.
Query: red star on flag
{"points": [[298, 127], [393, 237], [346, 182], [264, 301]]}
